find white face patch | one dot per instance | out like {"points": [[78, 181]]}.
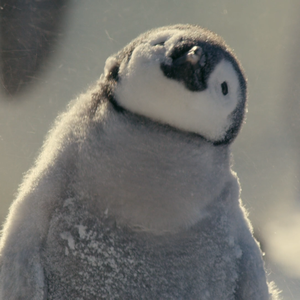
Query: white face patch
{"points": [[145, 90]]}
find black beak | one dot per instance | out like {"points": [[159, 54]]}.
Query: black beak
{"points": [[188, 67], [194, 55]]}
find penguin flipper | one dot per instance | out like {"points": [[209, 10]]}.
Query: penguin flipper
{"points": [[252, 279], [252, 282], [21, 262], [22, 277]]}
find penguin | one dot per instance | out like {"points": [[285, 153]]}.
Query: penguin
{"points": [[133, 195]]}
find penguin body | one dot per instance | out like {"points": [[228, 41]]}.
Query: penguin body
{"points": [[133, 196]]}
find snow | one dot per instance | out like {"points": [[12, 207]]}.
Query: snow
{"points": [[81, 231], [67, 236]]}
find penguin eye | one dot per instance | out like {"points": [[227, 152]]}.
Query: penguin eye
{"points": [[224, 87], [160, 43]]}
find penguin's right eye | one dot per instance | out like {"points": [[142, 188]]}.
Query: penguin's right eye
{"points": [[224, 87], [160, 44]]}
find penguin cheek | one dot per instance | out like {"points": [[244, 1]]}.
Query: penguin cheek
{"points": [[223, 85], [226, 102]]}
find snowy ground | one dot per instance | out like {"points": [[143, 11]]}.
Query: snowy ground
{"points": [[265, 37]]}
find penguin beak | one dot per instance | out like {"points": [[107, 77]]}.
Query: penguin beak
{"points": [[194, 55], [188, 67]]}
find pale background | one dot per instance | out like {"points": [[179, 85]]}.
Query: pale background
{"points": [[265, 35]]}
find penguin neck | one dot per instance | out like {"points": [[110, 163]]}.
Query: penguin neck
{"points": [[152, 178]]}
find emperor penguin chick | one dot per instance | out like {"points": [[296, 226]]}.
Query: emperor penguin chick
{"points": [[133, 196]]}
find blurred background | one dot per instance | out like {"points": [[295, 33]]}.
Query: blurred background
{"points": [[52, 50]]}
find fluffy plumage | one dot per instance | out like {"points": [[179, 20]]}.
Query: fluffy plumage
{"points": [[133, 196]]}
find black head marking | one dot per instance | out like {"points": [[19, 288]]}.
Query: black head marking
{"points": [[192, 63], [114, 73]]}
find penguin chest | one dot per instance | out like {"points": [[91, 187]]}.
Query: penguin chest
{"points": [[86, 257]]}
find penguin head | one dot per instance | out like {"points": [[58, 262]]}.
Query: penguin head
{"points": [[183, 76]]}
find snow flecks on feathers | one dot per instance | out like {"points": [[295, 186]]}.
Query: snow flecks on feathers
{"points": [[104, 258]]}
